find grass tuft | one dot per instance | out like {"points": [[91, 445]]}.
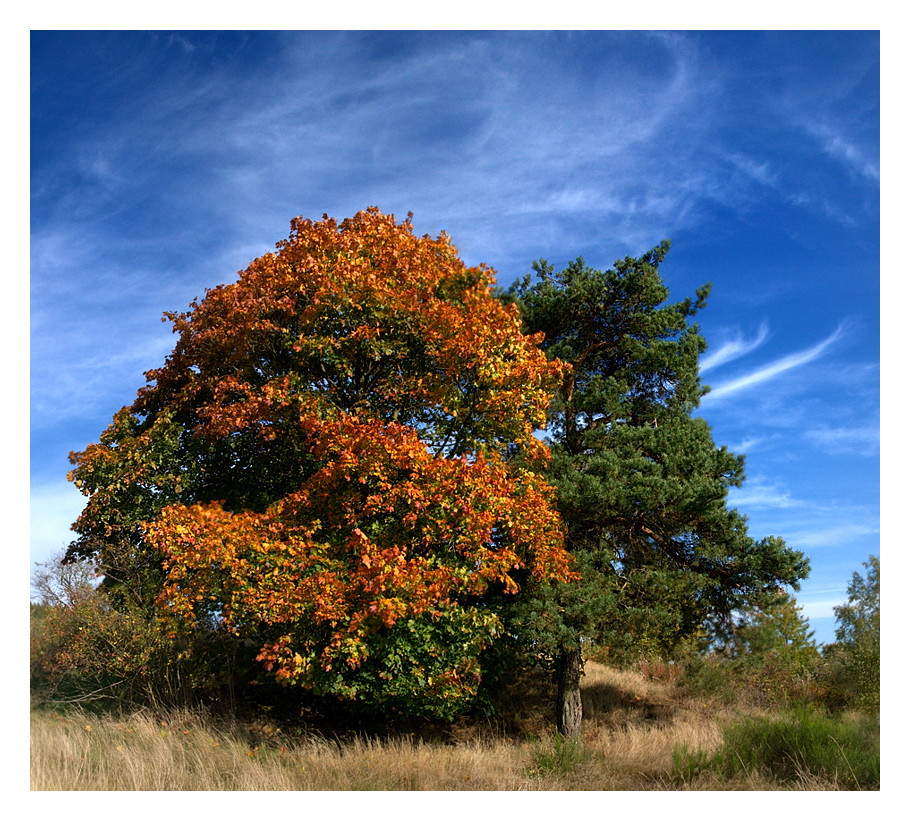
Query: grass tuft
{"points": [[557, 756]]}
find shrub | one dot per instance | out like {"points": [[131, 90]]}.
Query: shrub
{"points": [[767, 657], [89, 652], [775, 679], [852, 678]]}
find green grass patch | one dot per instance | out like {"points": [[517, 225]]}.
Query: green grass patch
{"points": [[802, 743], [557, 756]]}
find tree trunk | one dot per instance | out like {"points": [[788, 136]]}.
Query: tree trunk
{"points": [[568, 698]]}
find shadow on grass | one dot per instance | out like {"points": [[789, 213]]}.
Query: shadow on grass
{"points": [[601, 700]]}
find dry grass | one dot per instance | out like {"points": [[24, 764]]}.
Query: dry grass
{"points": [[632, 727], [78, 752]]}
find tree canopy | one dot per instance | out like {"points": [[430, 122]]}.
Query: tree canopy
{"points": [[859, 619], [335, 461]]}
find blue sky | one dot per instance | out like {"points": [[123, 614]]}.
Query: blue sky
{"points": [[162, 163]]}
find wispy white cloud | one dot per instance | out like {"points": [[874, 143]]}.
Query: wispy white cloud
{"points": [[756, 494], [733, 349], [807, 522], [750, 444], [819, 608], [95, 381], [774, 369], [863, 440], [841, 148], [835, 536], [819, 203], [406, 135], [184, 44], [759, 171]]}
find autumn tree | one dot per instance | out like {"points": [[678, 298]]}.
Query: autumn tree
{"points": [[338, 462], [641, 485]]}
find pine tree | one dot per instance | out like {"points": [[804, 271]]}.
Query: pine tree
{"points": [[641, 485]]}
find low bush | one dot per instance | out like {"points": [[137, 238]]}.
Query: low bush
{"points": [[853, 678], [774, 680], [88, 652]]}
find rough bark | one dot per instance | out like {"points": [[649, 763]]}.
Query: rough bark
{"points": [[568, 699]]}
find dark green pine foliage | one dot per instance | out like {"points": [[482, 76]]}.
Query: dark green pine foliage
{"points": [[642, 487]]}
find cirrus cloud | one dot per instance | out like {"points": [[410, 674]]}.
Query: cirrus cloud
{"points": [[776, 368]]}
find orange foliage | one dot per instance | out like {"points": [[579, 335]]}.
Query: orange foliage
{"points": [[382, 531], [373, 320]]}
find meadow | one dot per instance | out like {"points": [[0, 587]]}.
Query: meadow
{"points": [[643, 730]]}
